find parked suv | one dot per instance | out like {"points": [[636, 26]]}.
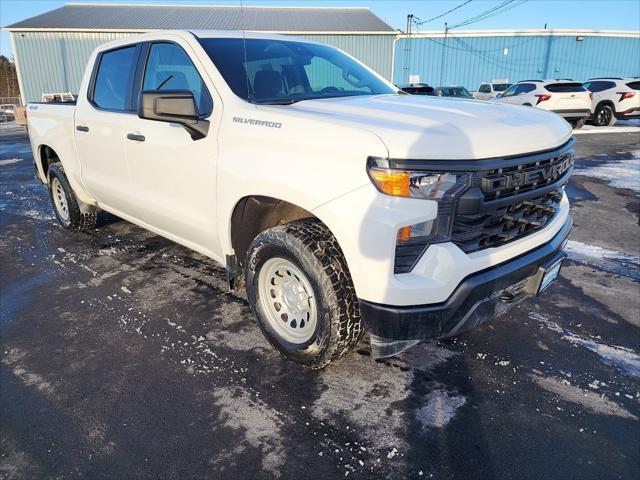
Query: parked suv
{"points": [[341, 205], [487, 91], [614, 99], [567, 98]]}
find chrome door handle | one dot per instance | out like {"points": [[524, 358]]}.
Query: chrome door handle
{"points": [[82, 128], [135, 137]]}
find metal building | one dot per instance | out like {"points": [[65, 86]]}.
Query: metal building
{"points": [[469, 58], [51, 50]]}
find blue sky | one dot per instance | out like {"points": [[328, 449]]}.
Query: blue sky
{"points": [[590, 14]]}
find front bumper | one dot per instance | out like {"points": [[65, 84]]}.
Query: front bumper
{"points": [[478, 298]]}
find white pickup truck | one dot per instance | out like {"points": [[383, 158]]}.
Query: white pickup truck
{"points": [[343, 204]]}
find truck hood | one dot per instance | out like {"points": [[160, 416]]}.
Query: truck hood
{"points": [[419, 127]]}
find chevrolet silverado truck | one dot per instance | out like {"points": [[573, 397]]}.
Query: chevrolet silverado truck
{"points": [[342, 204]]}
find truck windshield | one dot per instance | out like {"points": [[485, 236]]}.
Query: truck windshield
{"points": [[284, 72]]}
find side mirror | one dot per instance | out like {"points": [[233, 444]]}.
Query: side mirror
{"points": [[173, 106], [499, 95]]}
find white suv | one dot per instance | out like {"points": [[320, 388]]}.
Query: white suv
{"points": [[614, 99], [487, 91], [567, 98]]}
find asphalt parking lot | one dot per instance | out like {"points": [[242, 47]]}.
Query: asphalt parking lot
{"points": [[123, 356]]}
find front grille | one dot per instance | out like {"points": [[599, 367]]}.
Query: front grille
{"points": [[513, 180], [497, 227], [486, 226]]}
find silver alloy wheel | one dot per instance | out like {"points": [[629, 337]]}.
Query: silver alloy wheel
{"points": [[60, 199], [288, 300]]}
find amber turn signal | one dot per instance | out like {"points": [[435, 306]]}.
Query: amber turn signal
{"points": [[392, 182]]}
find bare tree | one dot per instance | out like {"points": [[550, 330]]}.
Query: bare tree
{"points": [[8, 78]]}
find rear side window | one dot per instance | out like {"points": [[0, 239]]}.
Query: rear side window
{"points": [[634, 85], [598, 86], [484, 89], [170, 68], [114, 79], [565, 87]]}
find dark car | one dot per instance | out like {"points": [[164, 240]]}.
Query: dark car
{"points": [[459, 92], [418, 89]]}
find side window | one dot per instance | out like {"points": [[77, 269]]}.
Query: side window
{"points": [[170, 68], [114, 79], [525, 88], [598, 86], [509, 92], [484, 88]]}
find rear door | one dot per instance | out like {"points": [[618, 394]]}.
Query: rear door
{"points": [[174, 176], [99, 127]]}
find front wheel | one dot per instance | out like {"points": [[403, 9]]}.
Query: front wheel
{"points": [[300, 290]]}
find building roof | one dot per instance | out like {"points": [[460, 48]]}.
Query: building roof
{"points": [[120, 17], [557, 32]]}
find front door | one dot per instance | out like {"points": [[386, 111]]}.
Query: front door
{"points": [[174, 175]]}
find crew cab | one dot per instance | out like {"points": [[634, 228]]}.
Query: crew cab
{"points": [[342, 204], [567, 98]]}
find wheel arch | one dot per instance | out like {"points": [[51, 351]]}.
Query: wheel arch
{"points": [[44, 157], [253, 214], [602, 103]]}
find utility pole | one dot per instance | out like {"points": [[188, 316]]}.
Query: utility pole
{"points": [[444, 42], [407, 49]]}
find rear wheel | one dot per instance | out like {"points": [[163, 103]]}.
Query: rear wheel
{"points": [[604, 116], [299, 288], [65, 203]]}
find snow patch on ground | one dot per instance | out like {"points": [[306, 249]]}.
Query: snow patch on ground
{"points": [[10, 161], [591, 401], [382, 386], [609, 260], [619, 173], [259, 424], [622, 358], [580, 249], [440, 408]]}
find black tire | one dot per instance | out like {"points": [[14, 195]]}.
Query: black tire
{"points": [[578, 124], [74, 219], [311, 247], [604, 116]]}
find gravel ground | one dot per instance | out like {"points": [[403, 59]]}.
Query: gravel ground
{"points": [[123, 356]]}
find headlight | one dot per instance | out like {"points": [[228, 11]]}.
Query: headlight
{"points": [[429, 185], [442, 187]]}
